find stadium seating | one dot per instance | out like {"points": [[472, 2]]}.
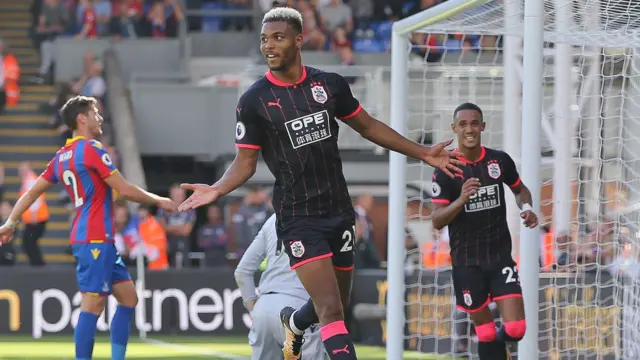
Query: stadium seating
{"points": [[24, 132]]}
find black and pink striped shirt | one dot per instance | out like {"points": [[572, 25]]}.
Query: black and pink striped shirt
{"points": [[295, 128], [479, 235]]}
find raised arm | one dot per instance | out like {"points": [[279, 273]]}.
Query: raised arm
{"points": [[26, 200], [447, 206], [349, 110], [249, 137]]}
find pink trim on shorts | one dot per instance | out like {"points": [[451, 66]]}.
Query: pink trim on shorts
{"points": [[486, 303], [315, 258], [508, 296]]}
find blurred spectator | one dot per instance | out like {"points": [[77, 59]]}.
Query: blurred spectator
{"points": [[35, 218], [162, 19], [313, 37], [125, 23], [89, 83], [213, 238], [154, 240], [92, 83], [126, 235], [342, 46], [366, 255], [178, 227], [52, 20], [336, 15], [362, 11], [9, 76], [1, 180], [362, 209], [249, 218], [89, 20], [627, 263], [7, 252]]}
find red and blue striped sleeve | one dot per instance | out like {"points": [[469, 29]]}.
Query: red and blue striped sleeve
{"points": [[50, 173], [98, 159]]}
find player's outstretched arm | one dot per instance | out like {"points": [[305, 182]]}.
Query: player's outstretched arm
{"points": [[134, 193], [23, 204], [242, 169], [444, 214], [379, 133], [250, 263]]}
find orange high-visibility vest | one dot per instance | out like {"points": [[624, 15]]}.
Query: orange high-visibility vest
{"points": [[11, 71], [548, 251], [435, 254], [38, 212], [154, 236]]}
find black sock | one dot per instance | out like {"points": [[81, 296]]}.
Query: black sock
{"points": [[501, 335], [305, 316], [337, 341], [495, 350]]}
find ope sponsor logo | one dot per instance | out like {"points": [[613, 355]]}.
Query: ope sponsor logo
{"points": [[308, 129]]}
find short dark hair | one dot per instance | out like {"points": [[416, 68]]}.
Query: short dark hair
{"points": [[285, 14], [75, 106], [467, 106]]}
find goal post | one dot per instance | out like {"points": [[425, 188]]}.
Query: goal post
{"points": [[560, 88]]}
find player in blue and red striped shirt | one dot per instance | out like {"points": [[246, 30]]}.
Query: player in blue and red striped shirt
{"points": [[89, 175]]}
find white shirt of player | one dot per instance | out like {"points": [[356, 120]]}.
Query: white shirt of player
{"points": [[278, 276]]}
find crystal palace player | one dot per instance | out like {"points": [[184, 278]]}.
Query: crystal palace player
{"points": [[289, 115], [472, 205], [89, 176]]}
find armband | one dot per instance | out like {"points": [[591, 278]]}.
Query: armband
{"points": [[526, 207]]}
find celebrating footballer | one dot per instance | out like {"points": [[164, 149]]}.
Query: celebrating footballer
{"points": [[472, 205], [289, 116]]}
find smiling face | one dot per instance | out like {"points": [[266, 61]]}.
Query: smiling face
{"points": [[92, 121], [468, 126], [280, 44]]}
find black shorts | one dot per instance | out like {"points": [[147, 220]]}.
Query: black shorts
{"points": [[476, 286], [313, 238]]}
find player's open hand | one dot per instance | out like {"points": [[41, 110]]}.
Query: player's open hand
{"points": [[469, 188], [167, 205], [443, 159], [203, 194], [530, 219], [6, 234]]}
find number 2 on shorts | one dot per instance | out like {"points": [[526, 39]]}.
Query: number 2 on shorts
{"points": [[347, 236], [512, 274]]}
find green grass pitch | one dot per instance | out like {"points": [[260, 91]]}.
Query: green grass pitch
{"points": [[167, 348]]}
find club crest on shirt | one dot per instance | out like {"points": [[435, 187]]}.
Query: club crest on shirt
{"points": [[494, 170], [466, 297], [297, 249], [318, 93]]}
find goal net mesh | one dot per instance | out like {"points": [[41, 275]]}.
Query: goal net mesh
{"points": [[589, 287]]}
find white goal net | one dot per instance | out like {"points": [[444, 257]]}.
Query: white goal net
{"points": [[471, 51]]}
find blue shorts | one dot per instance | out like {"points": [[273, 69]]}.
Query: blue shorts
{"points": [[99, 267]]}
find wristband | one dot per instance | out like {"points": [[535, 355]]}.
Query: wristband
{"points": [[10, 223], [526, 207]]}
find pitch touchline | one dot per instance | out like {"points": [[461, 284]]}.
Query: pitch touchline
{"points": [[194, 349]]}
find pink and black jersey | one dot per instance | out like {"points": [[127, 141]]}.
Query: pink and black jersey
{"points": [[295, 127], [479, 235], [82, 165]]}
